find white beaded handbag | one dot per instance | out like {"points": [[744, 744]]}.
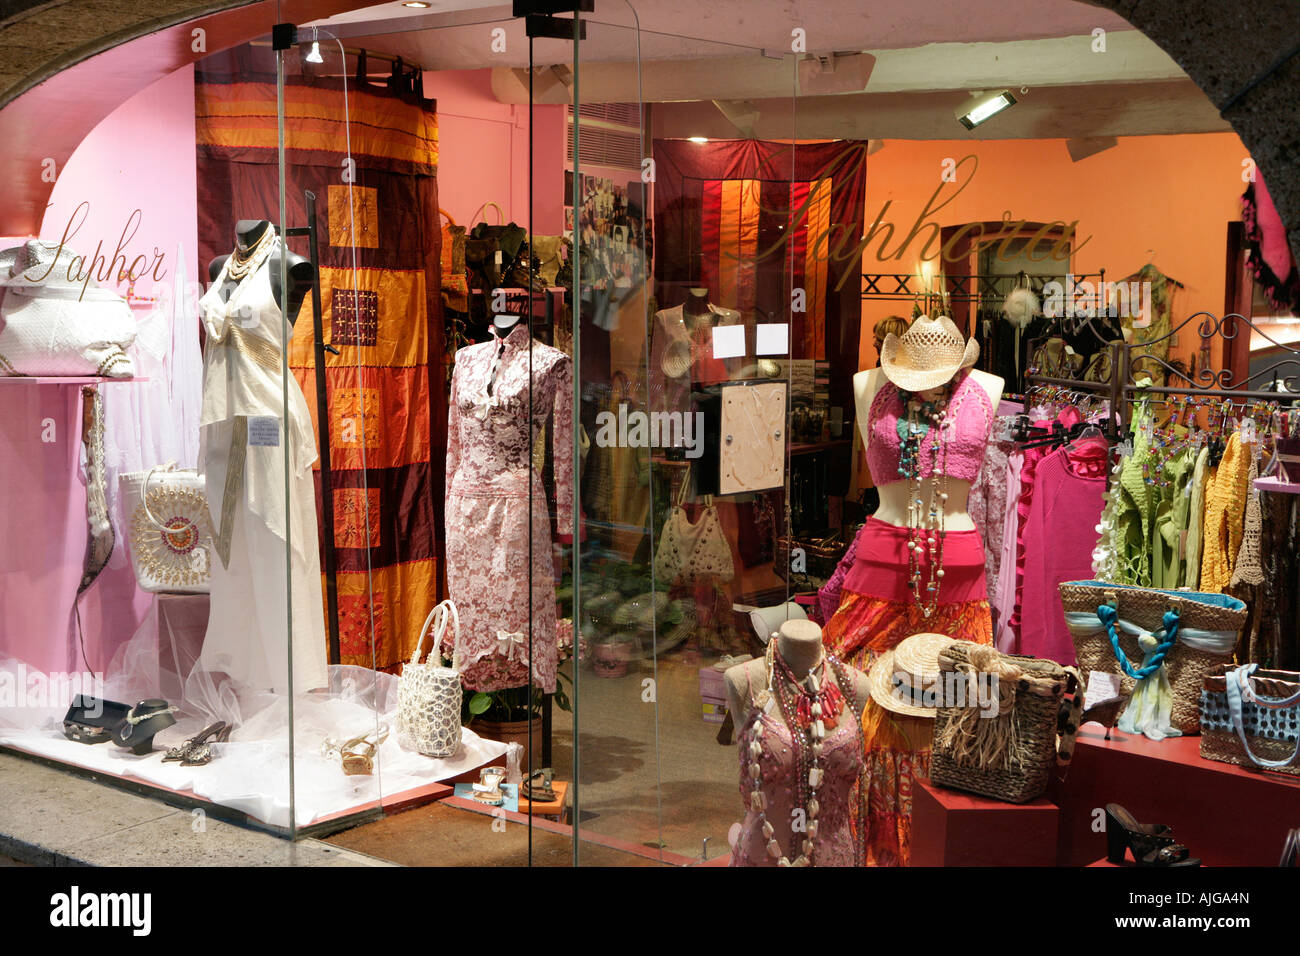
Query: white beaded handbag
{"points": [[429, 694], [169, 528]]}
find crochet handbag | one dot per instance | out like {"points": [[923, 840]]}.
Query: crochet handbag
{"points": [[1002, 744], [169, 529], [1195, 631], [429, 694], [1251, 718], [690, 552]]}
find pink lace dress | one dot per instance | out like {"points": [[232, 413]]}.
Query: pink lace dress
{"points": [[844, 764], [497, 504]]}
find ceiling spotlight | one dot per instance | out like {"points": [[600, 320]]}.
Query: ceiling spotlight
{"points": [[416, 4], [697, 139], [982, 107], [314, 55]]}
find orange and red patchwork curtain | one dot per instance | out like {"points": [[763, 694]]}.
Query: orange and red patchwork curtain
{"points": [[379, 247]]}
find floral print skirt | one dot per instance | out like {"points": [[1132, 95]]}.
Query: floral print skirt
{"points": [[897, 746]]}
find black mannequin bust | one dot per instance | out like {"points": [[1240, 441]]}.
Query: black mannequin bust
{"points": [[301, 273]]}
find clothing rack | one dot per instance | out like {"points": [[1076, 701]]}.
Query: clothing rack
{"points": [[1129, 360]]}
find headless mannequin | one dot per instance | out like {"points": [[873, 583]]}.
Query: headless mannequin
{"points": [[697, 310], [301, 273], [800, 644], [894, 495]]}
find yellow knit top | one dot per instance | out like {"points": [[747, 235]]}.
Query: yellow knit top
{"points": [[1225, 513]]}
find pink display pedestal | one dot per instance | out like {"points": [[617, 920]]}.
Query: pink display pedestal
{"points": [[951, 828]]}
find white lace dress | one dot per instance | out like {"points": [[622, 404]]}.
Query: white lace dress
{"points": [[494, 494]]}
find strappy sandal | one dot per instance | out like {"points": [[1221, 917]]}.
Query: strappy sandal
{"points": [[358, 754], [537, 788], [488, 789], [201, 753], [198, 740]]}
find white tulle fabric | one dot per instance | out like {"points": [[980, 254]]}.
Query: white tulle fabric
{"points": [[251, 772]]}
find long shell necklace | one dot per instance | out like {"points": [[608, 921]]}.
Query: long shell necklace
{"points": [[925, 525], [822, 703]]}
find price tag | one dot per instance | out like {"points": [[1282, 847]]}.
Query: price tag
{"points": [[1102, 687], [263, 431], [1247, 431]]}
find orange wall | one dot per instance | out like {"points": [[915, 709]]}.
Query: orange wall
{"points": [[1160, 199]]}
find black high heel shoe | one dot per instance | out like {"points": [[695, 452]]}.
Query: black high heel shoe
{"points": [[1150, 844]]}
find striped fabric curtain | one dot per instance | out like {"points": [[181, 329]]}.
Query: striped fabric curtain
{"points": [[753, 222], [387, 411]]}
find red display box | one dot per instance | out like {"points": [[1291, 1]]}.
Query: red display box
{"points": [[952, 828], [1226, 815]]}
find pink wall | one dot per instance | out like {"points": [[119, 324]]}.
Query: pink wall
{"points": [[483, 153], [140, 157]]}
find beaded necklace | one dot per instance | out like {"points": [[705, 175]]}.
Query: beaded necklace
{"points": [[925, 528], [793, 696]]}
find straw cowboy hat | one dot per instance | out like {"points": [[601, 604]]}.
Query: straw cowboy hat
{"points": [[927, 355], [899, 677]]}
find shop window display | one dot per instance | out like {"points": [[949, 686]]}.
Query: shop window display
{"points": [[540, 430]]}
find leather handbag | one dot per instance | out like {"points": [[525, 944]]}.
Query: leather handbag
{"points": [[169, 529], [1196, 633], [429, 694], [455, 275], [1251, 718], [691, 552]]}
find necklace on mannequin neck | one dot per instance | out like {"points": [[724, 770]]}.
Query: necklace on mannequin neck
{"points": [[822, 702], [241, 263], [925, 522]]}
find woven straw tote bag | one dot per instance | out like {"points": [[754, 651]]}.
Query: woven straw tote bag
{"points": [[429, 694], [1198, 631], [1009, 756], [1251, 718]]}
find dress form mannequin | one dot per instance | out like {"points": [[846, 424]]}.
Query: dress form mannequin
{"points": [[301, 273], [800, 644], [798, 777], [697, 309], [893, 497]]}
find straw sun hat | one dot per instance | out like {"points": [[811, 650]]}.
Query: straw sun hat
{"points": [[905, 671], [928, 354]]}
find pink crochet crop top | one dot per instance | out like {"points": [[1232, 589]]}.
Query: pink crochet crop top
{"points": [[970, 421]]}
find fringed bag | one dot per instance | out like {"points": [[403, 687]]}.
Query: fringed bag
{"points": [[1195, 631], [1251, 718], [1003, 722], [429, 694]]}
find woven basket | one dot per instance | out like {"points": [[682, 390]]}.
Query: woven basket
{"points": [[1271, 725], [1038, 720], [1187, 666]]}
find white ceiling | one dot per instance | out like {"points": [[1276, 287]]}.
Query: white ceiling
{"points": [[928, 56], [688, 28]]}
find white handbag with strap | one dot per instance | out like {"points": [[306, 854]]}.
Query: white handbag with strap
{"points": [[429, 694], [169, 528]]}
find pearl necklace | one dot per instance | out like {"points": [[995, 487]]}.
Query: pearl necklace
{"points": [[809, 773], [925, 527]]}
